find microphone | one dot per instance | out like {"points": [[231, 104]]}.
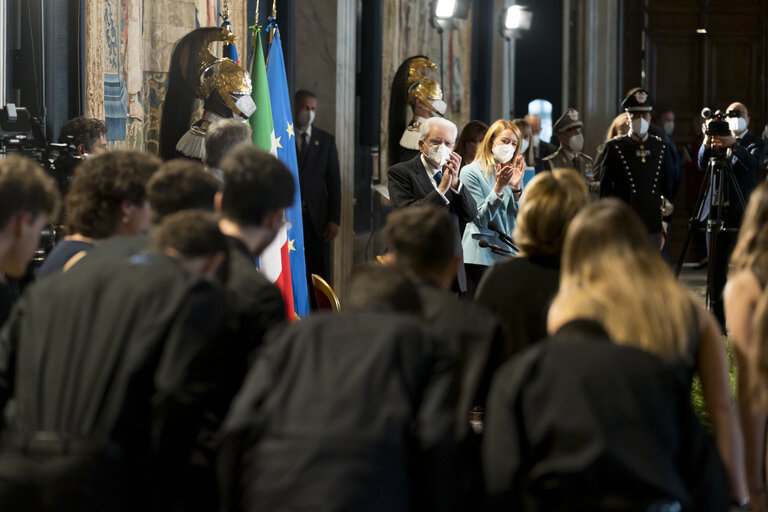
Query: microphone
{"points": [[494, 248], [494, 226]]}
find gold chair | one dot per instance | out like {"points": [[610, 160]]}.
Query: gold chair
{"points": [[324, 295]]}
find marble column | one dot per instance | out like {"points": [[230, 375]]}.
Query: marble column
{"points": [[596, 40], [94, 58], [346, 43]]}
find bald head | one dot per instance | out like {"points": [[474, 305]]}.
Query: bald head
{"points": [[744, 115], [534, 121]]}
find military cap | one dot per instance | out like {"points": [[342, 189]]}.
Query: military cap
{"points": [[638, 100], [569, 119]]}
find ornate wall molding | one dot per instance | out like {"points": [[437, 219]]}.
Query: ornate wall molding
{"points": [[94, 59]]}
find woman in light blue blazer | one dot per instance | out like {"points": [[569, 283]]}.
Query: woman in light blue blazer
{"points": [[495, 180]]}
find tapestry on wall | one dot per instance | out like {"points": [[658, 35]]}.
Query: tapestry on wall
{"points": [[128, 49]]}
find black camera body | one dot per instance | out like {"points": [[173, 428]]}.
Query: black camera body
{"points": [[718, 125]]}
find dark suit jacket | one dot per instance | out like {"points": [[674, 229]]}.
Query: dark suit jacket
{"points": [[319, 180], [747, 156], [347, 411], [577, 418], [409, 185]]}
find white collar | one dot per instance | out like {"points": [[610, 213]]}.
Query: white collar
{"points": [[427, 166], [308, 131]]}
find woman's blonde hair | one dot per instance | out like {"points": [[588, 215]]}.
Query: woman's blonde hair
{"points": [[751, 251], [612, 274], [484, 153], [551, 201], [618, 122]]}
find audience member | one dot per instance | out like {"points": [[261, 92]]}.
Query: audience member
{"points": [[257, 189], [352, 410], [519, 290], [107, 198], [113, 368], [469, 140], [610, 273], [526, 149], [88, 135], [746, 283], [619, 126], [29, 200], [541, 149], [579, 423], [495, 181], [568, 130], [179, 184], [744, 152], [432, 177], [633, 166], [220, 138], [320, 185]]}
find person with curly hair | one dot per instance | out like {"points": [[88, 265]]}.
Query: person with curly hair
{"points": [[108, 197]]}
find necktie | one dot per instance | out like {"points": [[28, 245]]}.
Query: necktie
{"points": [[438, 177], [576, 163], [304, 143]]}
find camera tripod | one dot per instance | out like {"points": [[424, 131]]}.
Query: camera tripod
{"points": [[717, 176]]}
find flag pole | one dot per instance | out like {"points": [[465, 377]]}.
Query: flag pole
{"points": [[273, 25]]}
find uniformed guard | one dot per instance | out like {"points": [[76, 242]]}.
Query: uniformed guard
{"points": [[633, 166], [222, 84], [412, 88], [568, 130]]}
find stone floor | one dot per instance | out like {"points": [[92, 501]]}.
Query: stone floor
{"points": [[695, 279]]}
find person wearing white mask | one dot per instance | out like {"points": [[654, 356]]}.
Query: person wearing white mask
{"points": [[569, 131], [634, 167], [744, 152], [320, 186], [432, 177], [495, 180]]}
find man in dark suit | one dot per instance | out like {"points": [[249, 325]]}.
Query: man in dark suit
{"points": [[320, 186], [541, 149], [432, 177]]}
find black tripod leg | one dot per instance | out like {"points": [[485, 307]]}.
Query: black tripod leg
{"points": [[694, 222]]}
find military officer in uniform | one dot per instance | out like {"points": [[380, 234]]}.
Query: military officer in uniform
{"points": [[633, 166], [568, 130]]}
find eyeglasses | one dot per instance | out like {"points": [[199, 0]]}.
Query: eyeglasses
{"points": [[437, 142]]}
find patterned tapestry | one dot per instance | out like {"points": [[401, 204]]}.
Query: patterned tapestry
{"points": [[407, 32], [128, 49]]}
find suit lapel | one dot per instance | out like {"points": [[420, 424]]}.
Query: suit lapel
{"points": [[421, 176]]}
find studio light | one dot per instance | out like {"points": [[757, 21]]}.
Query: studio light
{"points": [[444, 8], [514, 19]]}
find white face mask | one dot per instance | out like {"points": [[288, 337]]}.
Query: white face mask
{"points": [[439, 155], [306, 117], [639, 126], [440, 106], [576, 142], [669, 127], [737, 124], [536, 140], [246, 105], [524, 148], [503, 153]]}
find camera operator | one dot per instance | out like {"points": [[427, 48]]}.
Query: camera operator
{"points": [[743, 152], [88, 135]]}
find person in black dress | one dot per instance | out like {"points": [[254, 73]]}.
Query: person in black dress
{"points": [[520, 289]]}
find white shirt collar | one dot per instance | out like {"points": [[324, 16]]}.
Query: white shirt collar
{"points": [[308, 131]]}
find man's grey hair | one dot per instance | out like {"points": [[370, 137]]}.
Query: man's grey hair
{"points": [[427, 125], [221, 137]]}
